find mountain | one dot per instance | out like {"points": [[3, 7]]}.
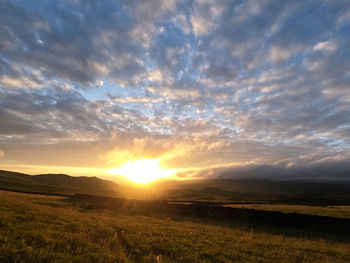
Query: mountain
{"points": [[57, 184]]}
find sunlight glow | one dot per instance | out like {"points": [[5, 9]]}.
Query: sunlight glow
{"points": [[142, 171]]}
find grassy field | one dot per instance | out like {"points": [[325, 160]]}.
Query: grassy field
{"points": [[332, 211], [38, 228]]}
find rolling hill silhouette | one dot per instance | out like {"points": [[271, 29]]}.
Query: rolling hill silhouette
{"points": [[57, 184], [226, 190]]}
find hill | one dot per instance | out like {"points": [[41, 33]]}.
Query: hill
{"points": [[247, 190], [218, 190], [57, 184]]}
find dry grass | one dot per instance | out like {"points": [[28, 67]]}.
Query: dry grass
{"points": [[36, 228]]}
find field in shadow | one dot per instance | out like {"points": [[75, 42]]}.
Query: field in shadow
{"points": [[216, 212]]}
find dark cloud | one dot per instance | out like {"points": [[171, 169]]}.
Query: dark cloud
{"points": [[328, 169]]}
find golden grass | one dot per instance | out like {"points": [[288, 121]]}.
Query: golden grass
{"points": [[36, 228]]}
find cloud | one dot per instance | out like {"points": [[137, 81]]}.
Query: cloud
{"points": [[202, 84], [99, 42], [328, 169], [204, 15], [279, 54], [326, 46]]}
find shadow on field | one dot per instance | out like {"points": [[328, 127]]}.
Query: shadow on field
{"points": [[217, 213]]}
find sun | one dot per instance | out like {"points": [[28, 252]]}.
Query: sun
{"points": [[142, 171]]}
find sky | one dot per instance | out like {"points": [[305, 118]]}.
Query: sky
{"points": [[208, 88]]}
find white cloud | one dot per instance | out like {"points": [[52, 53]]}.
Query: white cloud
{"points": [[181, 21], [279, 54], [345, 17], [155, 75], [201, 25], [204, 15], [325, 46]]}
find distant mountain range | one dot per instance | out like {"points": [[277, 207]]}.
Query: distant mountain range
{"points": [[228, 190]]}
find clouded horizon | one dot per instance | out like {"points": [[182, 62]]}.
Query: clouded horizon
{"points": [[211, 88]]}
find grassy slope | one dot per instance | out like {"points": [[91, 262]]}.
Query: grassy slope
{"points": [[37, 228], [57, 184]]}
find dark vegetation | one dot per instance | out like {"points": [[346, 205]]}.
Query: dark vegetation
{"points": [[216, 212], [258, 190]]}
